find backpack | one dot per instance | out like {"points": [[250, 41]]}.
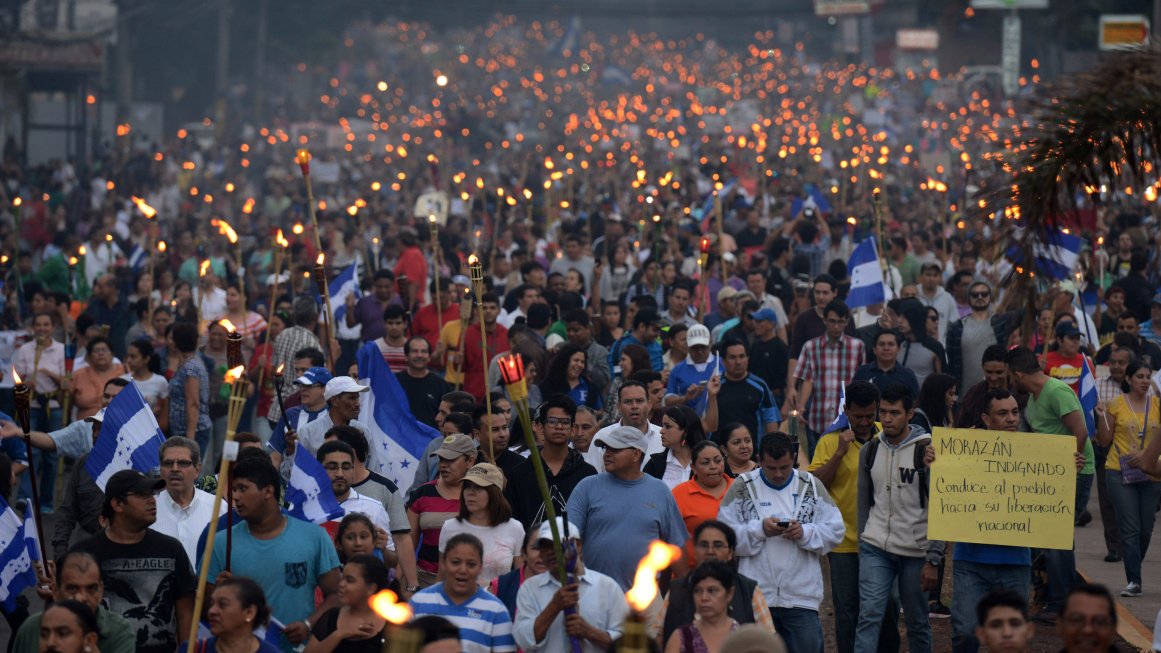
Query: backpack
{"points": [[919, 449]]}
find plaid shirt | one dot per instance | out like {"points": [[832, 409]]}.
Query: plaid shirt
{"points": [[286, 345], [828, 366], [1108, 390]]}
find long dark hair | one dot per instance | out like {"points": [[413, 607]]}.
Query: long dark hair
{"points": [[916, 316], [933, 398], [554, 380], [688, 421]]}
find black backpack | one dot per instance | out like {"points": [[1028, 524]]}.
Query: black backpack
{"points": [[920, 450]]}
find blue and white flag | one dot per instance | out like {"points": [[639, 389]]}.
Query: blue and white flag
{"points": [[1056, 255], [568, 41], [130, 438], [137, 257], [341, 287], [866, 276], [397, 439], [16, 571], [814, 199], [271, 633], [1088, 397], [309, 490], [840, 423], [31, 540]]}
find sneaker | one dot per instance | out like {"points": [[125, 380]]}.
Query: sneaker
{"points": [[1113, 556], [936, 610], [1084, 519], [1131, 590]]}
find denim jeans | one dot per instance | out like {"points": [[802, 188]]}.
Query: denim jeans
{"points": [[1136, 507], [878, 570], [1083, 492], [844, 593], [44, 461], [799, 628], [971, 581], [1060, 567], [1108, 512]]}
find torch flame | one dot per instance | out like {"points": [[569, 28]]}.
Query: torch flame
{"points": [[228, 324], [226, 230], [322, 259], [72, 261], [203, 268], [473, 260], [161, 246], [661, 555], [234, 374], [297, 229], [302, 158], [281, 240], [15, 376], [386, 605], [248, 207], [82, 250], [148, 211], [278, 372]]}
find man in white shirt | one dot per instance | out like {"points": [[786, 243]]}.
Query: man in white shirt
{"points": [[183, 511], [342, 397], [633, 400], [338, 459], [541, 624]]}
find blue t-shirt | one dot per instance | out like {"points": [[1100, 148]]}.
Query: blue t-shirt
{"points": [[583, 395], [992, 554], [286, 567], [685, 374], [620, 519], [211, 646]]}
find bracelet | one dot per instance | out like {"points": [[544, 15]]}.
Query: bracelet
{"points": [[411, 589], [307, 622]]}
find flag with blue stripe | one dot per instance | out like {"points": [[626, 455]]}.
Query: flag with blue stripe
{"points": [[1088, 397], [137, 258], [130, 438], [706, 212], [815, 198], [397, 439], [271, 633], [30, 536], [567, 41], [342, 286], [840, 423], [1056, 253], [16, 570], [866, 276], [309, 490]]}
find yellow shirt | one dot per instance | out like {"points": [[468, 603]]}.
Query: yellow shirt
{"points": [[450, 336], [1127, 432], [844, 488]]}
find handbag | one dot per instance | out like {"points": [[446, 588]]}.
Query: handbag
{"points": [[1131, 475]]}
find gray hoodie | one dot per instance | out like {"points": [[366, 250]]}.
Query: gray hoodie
{"points": [[897, 520]]}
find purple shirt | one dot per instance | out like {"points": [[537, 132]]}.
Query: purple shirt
{"points": [[369, 313]]}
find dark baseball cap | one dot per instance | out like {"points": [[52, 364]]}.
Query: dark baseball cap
{"points": [[126, 482], [1066, 329], [646, 316]]}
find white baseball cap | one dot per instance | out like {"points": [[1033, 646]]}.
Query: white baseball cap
{"points": [[698, 334], [341, 385]]}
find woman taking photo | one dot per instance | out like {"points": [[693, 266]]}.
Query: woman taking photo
{"points": [[141, 360], [68, 627], [699, 498], [680, 432], [484, 624], [237, 607], [353, 627], [712, 587], [738, 446], [432, 504], [566, 375], [1127, 428], [485, 513]]}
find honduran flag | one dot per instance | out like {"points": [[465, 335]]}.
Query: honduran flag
{"points": [[309, 490], [840, 423], [1088, 397], [16, 571], [130, 438], [1056, 254], [866, 276], [397, 439], [342, 286]]}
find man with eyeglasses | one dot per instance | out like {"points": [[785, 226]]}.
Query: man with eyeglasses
{"points": [[564, 467], [147, 576], [968, 338], [1088, 622], [183, 511], [338, 459]]}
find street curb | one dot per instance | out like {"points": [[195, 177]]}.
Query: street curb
{"points": [[1129, 627]]}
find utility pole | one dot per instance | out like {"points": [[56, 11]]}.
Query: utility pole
{"points": [[123, 73], [225, 11], [260, 57]]}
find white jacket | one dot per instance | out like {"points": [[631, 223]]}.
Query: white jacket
{"points": [[787, 571]]}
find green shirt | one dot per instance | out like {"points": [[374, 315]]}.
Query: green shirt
{"points": [[116, 634], [1045, 414]]}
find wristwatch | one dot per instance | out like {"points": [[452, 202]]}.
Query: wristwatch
{"points": [[412, 589], [307, 622]]}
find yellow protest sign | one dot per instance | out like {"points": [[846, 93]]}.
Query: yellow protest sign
{"points": [[999, 487]]}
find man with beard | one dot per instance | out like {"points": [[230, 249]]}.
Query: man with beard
{"points": [[147, 575]]}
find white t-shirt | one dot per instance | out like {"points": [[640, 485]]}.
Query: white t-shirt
{"points": [[154, 389], [502, 544]]}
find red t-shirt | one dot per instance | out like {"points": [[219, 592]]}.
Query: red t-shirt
{"points": [[1067, 369]]}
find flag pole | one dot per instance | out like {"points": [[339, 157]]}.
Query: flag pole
{"points": [[477, 272], [238, 391], [22, 396]]}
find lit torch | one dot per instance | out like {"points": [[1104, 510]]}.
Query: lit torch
{"points": [[644, 591], [302, 157], [476, 270], [402, 639], [320, 280]]}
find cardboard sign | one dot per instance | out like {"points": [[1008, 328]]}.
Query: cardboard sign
{"points": [[1000, 487]]}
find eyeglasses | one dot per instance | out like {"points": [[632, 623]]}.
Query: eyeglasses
{"points": [[837, 322], [180, 464], [1079, 620], [981, 295], [557, 421], [718, 546], [334, 467]]}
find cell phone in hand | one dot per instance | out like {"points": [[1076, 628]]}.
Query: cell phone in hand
{"points": [[783, 524]]}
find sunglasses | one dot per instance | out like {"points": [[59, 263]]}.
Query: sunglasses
{"points": [[981, 295]]}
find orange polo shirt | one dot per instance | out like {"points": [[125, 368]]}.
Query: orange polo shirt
{"points": [[696, 506]]}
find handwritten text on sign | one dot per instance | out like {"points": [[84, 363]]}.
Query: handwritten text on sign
{"points": [[997, 487]]}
